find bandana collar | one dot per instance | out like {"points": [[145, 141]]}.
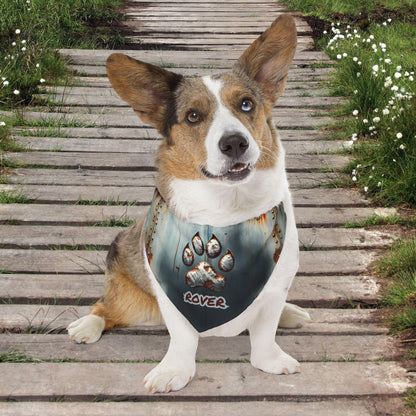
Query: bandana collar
{"points": [[212, 274]]}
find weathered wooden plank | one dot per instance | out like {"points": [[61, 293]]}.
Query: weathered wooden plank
{"points": [[331, 407], [189, 59], [221, 43], [294, 73], [98, 100], [304, 119], [146, 133], [103, 82], [126, 113], [225, 380], [119, 348], [330, 262], [306, 291], [125, 178], [48, 319], [104, 92], [114, 195], [146, 161], [38, 236], [92, 214], [69, 214], [67, 144], [206, 27]]}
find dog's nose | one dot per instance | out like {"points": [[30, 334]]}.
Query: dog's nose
{"points": [[233, 145]]}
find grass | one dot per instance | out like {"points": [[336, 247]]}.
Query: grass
{"points": [[15, 356], [375, 219], [29, 37], [115, 222], [13, 197], [110, 201], [398, 267], [373, 46]]}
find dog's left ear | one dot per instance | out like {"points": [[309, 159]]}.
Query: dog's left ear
{"points": [[268, 58]]}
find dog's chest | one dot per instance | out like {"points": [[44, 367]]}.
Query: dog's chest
{"points": [[212, 274]]}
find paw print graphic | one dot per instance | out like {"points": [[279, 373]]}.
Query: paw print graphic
{"points": [[204, 274]]}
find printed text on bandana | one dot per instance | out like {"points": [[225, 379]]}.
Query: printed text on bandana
{"points": [[207, 301]]}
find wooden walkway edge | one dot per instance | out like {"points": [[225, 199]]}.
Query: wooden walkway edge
{"points": [[93, 175]]}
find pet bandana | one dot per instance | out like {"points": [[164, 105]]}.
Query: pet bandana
{"points": [[212, 274]]}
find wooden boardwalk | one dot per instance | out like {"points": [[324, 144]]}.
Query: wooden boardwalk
{"points": [[85, 183]]}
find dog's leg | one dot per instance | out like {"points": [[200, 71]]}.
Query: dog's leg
{"points": [[177, 368], [293, 317], [123, 304], [265, 353]]}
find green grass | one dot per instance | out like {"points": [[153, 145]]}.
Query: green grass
{"points": [[373, 46], [13, 197], [399, 266], [15, 356], [110, 201], [375, 219], [30, 33], [115, 222]]}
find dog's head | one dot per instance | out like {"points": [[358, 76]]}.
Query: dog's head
{"points": [[216, 128]]}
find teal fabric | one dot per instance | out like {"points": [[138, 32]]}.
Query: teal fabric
{"points": [[212, 274]]}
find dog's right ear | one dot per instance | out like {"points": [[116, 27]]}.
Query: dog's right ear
{"points": [[147, 88]]}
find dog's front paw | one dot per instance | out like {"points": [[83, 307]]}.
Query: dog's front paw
{"points": [[276, 362], [165, 377], [87, 329]]}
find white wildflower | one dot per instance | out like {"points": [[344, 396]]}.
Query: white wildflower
{"points": [[355, 113], [376, 119], [16, 92], [397, 75], [17, 31], [399, 135], [402, 146], [2, 123]]}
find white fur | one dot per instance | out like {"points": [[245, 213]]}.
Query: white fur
{"points": [[224, 122], [87, 329]]}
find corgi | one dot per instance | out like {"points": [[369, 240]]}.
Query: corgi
{"points": [[218, 250]]}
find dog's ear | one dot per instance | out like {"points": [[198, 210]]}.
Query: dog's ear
{"points": [[268, 58], [147, 88]]}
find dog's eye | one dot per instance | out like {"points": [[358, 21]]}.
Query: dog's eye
{"points": [[193, 117], [247, 105]]}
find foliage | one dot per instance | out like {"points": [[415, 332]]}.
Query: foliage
{"points": [[30, 33]]}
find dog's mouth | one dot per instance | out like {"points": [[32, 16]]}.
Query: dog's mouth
{"points": [[235, 173]]}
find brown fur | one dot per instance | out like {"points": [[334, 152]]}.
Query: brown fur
{"points": [[163, 99], [128, 298]]}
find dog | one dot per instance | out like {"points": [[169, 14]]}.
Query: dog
{"points": [[218, 250]]}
